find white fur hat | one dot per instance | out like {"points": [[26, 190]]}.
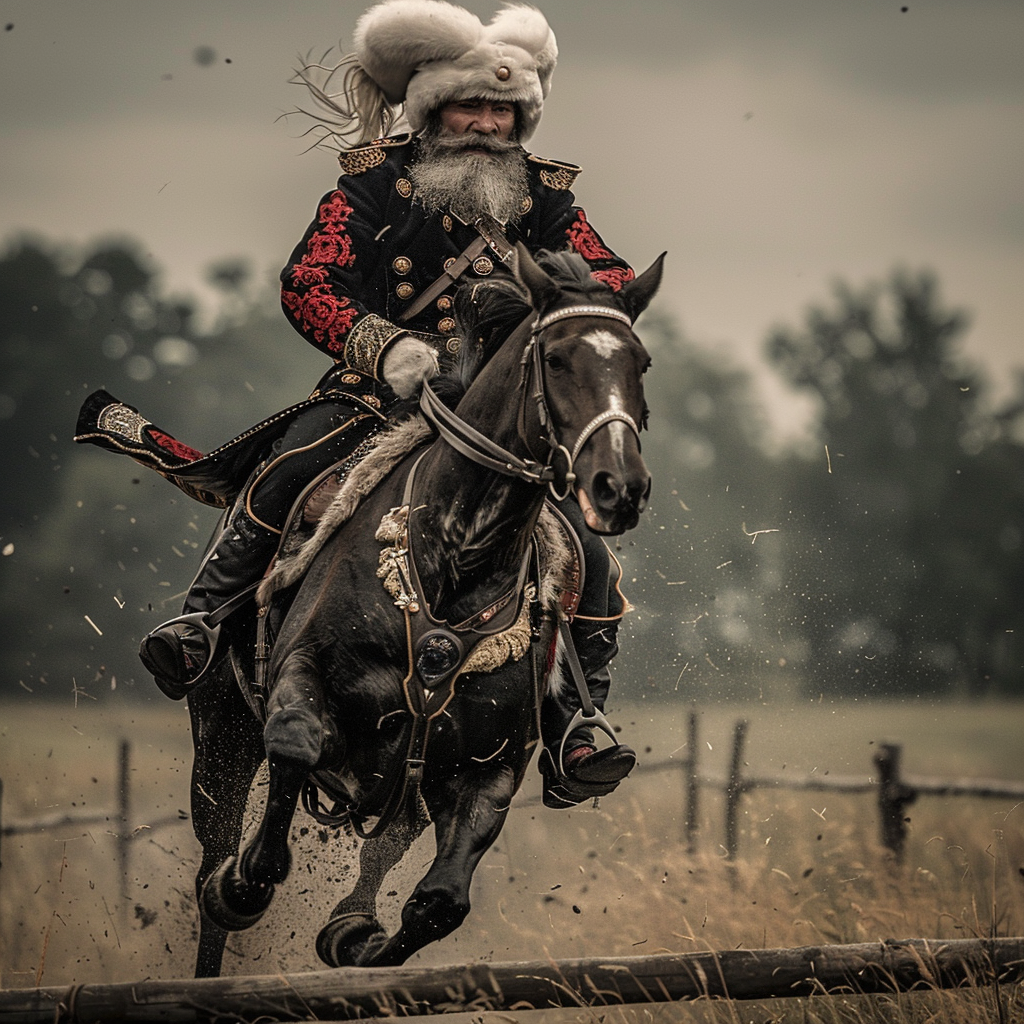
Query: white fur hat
{"points": [[427, 53]]}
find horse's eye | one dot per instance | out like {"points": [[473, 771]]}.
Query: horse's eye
{"points": [[554, 362]]}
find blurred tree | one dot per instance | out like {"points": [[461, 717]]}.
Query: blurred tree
{"points": [[903, 504], [88, 534], [710, 614]]}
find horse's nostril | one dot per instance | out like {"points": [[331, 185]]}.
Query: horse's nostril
{"points": [[606, 490]]}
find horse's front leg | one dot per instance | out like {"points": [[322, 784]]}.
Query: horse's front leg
{"points": [[468, 811], [298, 737], [353, 926], [228, 751]]}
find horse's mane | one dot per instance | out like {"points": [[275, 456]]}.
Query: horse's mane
{"points": [[487, 312]]}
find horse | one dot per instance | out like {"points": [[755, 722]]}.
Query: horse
{"points": [[378, 697]]}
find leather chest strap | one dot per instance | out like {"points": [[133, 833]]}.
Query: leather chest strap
{"points": [[490, 236]]}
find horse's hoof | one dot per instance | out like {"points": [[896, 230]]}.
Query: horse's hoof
{"points": [[350, 940], [232, 903]]}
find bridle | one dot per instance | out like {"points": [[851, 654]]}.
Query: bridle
{"points": [[557, 469]]}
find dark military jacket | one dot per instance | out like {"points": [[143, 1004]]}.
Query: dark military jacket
{"points": [[372, 249]]}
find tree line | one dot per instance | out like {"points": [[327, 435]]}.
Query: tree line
{"points": [[881, 554]]}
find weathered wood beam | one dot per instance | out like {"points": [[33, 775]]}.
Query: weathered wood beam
{"points": [[367, 992]]}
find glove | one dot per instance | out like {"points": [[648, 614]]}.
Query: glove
{"points": [[408, 362]]}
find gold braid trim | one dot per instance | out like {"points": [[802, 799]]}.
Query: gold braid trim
{"points": [[493, 651], [555, 174], [358, 161], [367, 340]]}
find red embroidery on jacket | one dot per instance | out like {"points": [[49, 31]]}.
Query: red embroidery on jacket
{"points": [[175, 447], [322, 249], [335, 212], [330, 244], [308, 275], [614, 277], [584, 240], [327, 316]]}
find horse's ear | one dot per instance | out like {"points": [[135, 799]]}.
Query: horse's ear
{"points": [[636, 295], [542, 289]]}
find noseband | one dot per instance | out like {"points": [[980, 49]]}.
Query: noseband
{"points": [[557, 470]]}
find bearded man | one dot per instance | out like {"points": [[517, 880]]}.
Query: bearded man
{"points": [[371, 285]]}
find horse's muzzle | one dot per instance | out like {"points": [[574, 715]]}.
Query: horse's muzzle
{"points": [[612, 504]]}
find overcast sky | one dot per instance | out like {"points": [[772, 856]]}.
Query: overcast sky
{"points": [[769, 145]]}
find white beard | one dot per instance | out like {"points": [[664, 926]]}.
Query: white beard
{"points": [[446, 177]]}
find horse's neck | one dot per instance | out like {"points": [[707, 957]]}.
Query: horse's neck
{"points": [[481, 521], [479, 524]]}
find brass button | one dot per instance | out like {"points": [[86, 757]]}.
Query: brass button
{"points": [[405, 290], [446, 222], [483, 265], [403, 187], [526, 205], [502, 74], [402, 265], [453, 345], [446, 325], [444, 303], [350, 378], [371, 400], [448, 262]]}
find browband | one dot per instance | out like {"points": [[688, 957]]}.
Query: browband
{"points": [[608, 312]]}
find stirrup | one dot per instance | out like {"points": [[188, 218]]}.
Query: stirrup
{"points": [[178, 688], [562, 789], [581, 718]]}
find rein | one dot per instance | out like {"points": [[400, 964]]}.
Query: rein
{"points": [[468, 441]]}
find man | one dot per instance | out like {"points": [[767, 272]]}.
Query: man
{"points": [[371, 285]]}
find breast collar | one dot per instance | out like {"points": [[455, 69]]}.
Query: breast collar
{"points": [[438, 648]]}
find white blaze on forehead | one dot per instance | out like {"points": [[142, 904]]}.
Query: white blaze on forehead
{"points": [[604, 342]]}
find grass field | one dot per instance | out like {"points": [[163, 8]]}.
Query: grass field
{"points": [[610, 881]]}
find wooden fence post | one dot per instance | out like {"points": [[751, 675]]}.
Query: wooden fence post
{"points": [[692, 785], [893, 797], [734, 789], [124, 808]]}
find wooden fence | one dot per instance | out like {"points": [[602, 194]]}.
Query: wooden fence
{"points": [[894, 793], [349, 993]]}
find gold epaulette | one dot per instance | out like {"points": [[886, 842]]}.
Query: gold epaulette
{"points": [[555, 174], [360, 159]]}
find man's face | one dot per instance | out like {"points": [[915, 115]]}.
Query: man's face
{"points": [[470, 163], [488, 117]]}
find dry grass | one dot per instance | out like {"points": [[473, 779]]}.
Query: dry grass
{"points": [[611, 881]]}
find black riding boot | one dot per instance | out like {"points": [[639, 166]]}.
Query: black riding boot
{"points": [[179, 652], [573, 768]]}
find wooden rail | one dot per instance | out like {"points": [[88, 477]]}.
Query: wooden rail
{"points": [[894, 793], [894, 790], [738, 974]]}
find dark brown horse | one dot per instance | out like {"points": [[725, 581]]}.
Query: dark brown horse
{"points": [[383, 697]]}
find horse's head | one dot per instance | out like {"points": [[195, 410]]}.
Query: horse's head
{"points": [[585, 367]]}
